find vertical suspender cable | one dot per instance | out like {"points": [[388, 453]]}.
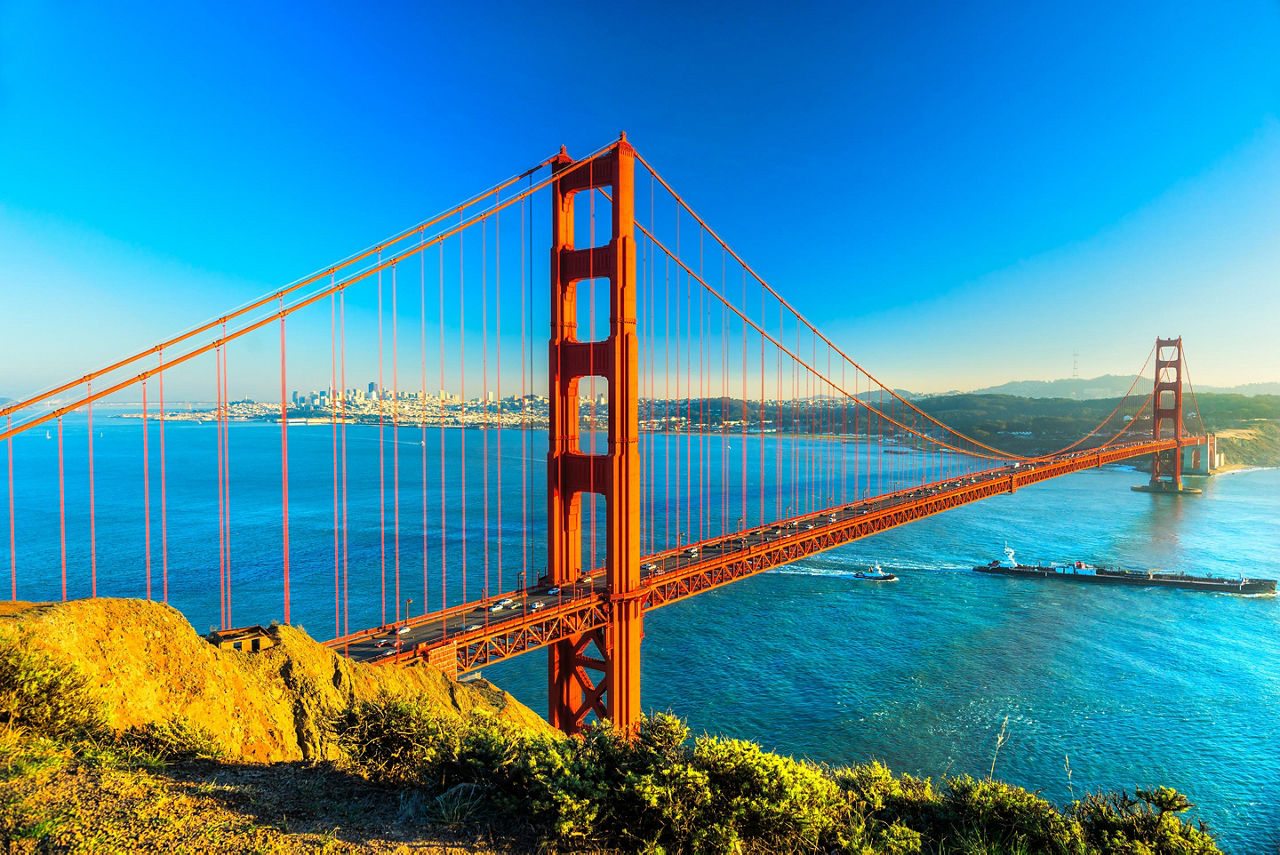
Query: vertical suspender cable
{"points": [[742, 409], [666, 404], [395, 429], [677, 437], [164, 495], [62, 511], [524, 414], [222, 531], [337, 398], [653, 382], [284, 467], [704, 391], [93, 510], [760, 418], [704, 462], [13, 543], [688, 456], [484, 399], [844, 437], [422, 411], [880, 447], [462, 391], [382, 458], [226, 457], [444, 577], [146, 492], [342, 376], [497, 371]]}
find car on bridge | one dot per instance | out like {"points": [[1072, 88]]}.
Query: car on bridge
{"points": [[496, 607]]}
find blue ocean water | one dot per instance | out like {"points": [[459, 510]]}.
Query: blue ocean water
{"points": [[1131, 687]]}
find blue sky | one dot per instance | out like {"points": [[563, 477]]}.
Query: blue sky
{"points": [[961, 194]]}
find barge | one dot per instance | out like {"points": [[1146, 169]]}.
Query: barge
{"points": [[1081, 572]]}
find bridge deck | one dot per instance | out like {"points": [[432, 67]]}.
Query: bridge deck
{"points": [[476, 634]]}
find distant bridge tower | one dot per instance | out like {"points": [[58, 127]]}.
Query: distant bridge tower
{"points": [[605, 681], [1166, 415]]}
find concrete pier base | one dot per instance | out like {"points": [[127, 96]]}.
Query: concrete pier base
{"points": [[1170, 491]]}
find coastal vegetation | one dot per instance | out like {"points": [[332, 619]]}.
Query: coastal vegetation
{"points": [[397, 764]]}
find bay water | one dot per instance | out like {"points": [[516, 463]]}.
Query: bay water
{"points": [[1101, 687]]}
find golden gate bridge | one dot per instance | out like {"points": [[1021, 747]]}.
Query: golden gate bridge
{"points": [[731, 437]]}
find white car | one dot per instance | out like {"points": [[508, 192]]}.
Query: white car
{"points": [[508, 601], [808, 526], [537, 605], [691, 551], [496, 607], [648, 568], [402, 630], [473, 627]]}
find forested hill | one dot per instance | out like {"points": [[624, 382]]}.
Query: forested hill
{"points": [[1106, 386], [1023, 425]]}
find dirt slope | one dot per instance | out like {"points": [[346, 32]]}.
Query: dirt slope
{"points": [[147, 664]]}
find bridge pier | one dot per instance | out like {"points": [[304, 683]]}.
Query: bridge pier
{"points": [[597, 673]]}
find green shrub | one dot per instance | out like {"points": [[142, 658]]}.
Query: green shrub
{"points": [[41, 697], [397, 742], [657, 792], [1009, 818], [758, 796], [1114, 823], [174, 740]]}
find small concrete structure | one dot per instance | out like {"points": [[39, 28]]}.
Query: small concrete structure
{"points": [[1203, 457], [247, 639]]}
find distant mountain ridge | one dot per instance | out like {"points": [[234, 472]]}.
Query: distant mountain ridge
{"points": [[1106, 386]]}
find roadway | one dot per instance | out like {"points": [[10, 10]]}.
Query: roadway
{"points": [[546, 607]]}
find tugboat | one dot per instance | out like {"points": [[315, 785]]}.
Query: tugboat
{"points": [[1078, 571], [875, 574]]}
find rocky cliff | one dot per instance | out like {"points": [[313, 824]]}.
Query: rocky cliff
{"points": [[145, 664]]}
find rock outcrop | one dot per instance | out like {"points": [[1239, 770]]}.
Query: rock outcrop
{"points": [[146, 664]]}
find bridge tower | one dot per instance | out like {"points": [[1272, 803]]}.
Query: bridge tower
{"points": [[1166, 410], [605, 681]]}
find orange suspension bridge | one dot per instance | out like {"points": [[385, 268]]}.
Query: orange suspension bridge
{"points": [[486, 495]]}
